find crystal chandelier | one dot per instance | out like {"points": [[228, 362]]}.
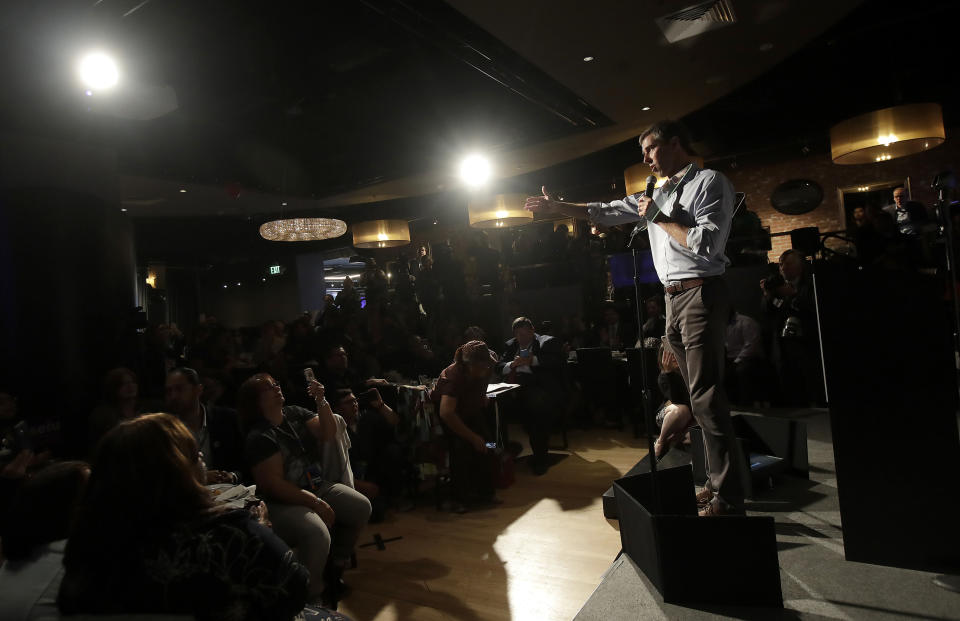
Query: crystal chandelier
{"points": [[302, 229]]}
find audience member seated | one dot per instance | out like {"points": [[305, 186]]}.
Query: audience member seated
{"points": [[788, 301], [34, 530], [367, 447], [19, 451], [674, 418], [910, 216], [879, 242], [746, 362], [535, 362], [461, 394], [216, 429], [613, 332], [337, 374], [473, 333], [656, 324], [309, 511], [422, 359], [119, 403], [148, 539]]}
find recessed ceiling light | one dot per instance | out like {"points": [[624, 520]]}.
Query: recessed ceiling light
{"points": [[238, 284], [587, 59], [123, 209], [182, 191], [645, 108], [283, 204]]}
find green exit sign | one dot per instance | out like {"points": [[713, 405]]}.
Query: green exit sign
{"points": [[274, 269]]}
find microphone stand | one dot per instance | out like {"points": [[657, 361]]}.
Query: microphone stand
{"points": [[644, 388], [950, 582], [942, 210]]}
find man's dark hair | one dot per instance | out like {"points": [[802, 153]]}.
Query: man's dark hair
{"points": [[521, 322], [791, 251], [340, 394], [191, 375], [474, 333], [664, 131]]}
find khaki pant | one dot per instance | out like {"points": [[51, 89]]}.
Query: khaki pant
{"points": [[696, 328], [302, 529]]}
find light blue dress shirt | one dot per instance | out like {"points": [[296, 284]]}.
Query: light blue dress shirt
{"points": [[702, 201]]}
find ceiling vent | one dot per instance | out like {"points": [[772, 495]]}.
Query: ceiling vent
{"points": [[696, 19]]}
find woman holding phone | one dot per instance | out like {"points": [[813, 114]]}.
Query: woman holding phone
{"points": [[311, 513]]}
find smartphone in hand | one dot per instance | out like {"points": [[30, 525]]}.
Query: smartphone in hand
{"points": [[308, 375]]}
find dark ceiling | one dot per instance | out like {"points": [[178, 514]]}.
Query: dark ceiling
{"points": [[298, 97], [295, 100], [884, 53], [327, 104]]}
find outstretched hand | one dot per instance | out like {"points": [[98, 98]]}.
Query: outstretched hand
{"points": [[540, 203]]}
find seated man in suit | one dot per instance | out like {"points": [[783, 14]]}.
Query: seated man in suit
{"points": [[216, 429], [535, 362]]}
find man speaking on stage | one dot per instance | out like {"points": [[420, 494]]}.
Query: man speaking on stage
{"points": [[688, 222]]}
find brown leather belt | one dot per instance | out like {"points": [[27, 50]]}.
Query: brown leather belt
{"points": [[683, 285]]}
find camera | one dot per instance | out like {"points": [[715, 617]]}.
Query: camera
{"points": [[792, 328], [364, 399], [774, 282]]}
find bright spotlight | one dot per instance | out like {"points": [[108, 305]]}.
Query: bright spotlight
{"points": [[98, 71], [475, 170]]}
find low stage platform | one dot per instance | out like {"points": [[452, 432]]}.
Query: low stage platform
{"points": [[816, 581]]}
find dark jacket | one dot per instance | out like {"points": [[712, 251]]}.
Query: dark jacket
{"points": [[549, 354]]}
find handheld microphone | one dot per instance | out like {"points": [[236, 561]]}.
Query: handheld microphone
{"points": [[651, 184], [652, 210]]}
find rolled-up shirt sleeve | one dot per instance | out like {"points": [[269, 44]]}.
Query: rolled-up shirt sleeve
{"points": [[712, 213], [615, 213]]}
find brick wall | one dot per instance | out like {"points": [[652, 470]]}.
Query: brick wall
{"points": [[759, 178]]}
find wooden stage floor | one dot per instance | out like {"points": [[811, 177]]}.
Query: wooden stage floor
{"points": [[538, 556]]}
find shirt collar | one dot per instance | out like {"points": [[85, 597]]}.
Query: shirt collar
{"points": [[688, 170]]}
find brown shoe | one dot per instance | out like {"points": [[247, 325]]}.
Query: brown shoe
{"points": [[704, 497]]}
